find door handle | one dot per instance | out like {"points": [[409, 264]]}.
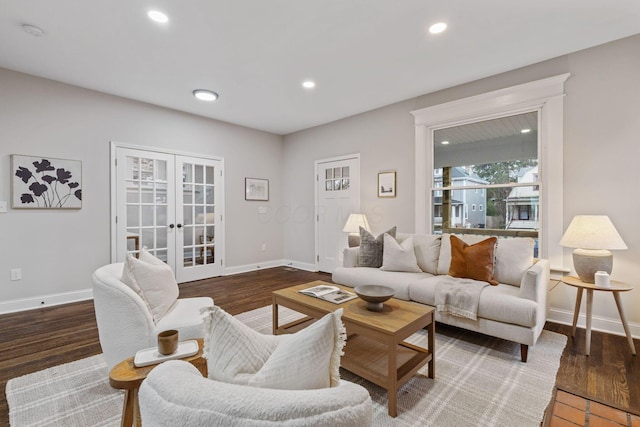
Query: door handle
{"points": [[179, 226], [171, 225]]}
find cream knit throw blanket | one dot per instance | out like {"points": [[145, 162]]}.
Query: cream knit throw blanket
{"points": [[459, 297]]}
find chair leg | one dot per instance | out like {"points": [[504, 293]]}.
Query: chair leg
{"points": [[524, 352]]}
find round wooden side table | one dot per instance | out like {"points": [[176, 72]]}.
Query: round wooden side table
{"points": [[615, 289], [126, 376]]}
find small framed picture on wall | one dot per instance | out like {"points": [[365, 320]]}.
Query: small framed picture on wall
{"points": [[387, 184], [256, 189]]}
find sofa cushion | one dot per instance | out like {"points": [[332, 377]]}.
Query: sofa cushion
{"points": [[427, 250], [500, 303], [473, 261], [399, 281], [399, 256], [513, 258], [308, 359], [155, 284], [444, 259], [371, 248]]}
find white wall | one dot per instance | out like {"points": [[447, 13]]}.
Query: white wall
{"points": [[601, 152], [58, 250]]}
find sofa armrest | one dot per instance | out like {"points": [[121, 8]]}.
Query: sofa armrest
{"points": [[535, 282], [350, 257]]}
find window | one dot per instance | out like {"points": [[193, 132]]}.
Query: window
{"points": [[507, 169], [481, 207], [544, 97]]}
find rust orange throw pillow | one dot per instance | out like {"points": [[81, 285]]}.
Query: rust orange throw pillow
{"points": [[473, 261]]}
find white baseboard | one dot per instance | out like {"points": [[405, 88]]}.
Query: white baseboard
{"points": [[301, 266], [24, 304], [598, 323], [269, 264]]}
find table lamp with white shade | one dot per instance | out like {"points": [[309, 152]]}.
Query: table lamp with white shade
{"points": [[354, 222], [592, 236]]}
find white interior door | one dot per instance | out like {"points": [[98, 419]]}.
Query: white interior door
{"points": [[338, 195], [173, 205], [198, 219], [145, 204]]}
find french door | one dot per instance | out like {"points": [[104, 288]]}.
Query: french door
{"points": [[173, 205]]}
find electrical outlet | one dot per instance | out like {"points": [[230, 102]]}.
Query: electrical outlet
{"points": [[16, 274], [262, 209], [263, 247]]}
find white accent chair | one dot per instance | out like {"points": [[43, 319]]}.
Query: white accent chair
{"points": [[176, 394], [125, 324]]}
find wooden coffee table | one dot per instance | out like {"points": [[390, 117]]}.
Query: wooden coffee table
{"points": [[375, 348], [126, 376]]}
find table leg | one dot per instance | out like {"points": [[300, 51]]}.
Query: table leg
{"points": [[576, 312], [137, 419], [274, 316], [392, 380], [128, 408], [625, 325], [432, 348], [589, 311]]}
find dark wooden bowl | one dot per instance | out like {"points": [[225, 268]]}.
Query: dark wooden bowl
{"points": [[374, 295]]}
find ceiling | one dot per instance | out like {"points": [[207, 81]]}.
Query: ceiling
{"points": [[255, 54]]}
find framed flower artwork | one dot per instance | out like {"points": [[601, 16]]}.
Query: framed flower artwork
{"points": [[45, 183]]}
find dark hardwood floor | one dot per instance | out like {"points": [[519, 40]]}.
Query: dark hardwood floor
{"points": [[38, 339]]}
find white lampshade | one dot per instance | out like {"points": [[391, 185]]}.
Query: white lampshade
{"points": [[354, 223], [592, 232], [592, 236]]}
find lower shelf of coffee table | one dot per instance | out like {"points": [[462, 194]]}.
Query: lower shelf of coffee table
{"points": [[370, 359]]}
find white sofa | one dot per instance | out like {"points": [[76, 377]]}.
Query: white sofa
{"points": [[176, 394], [514, 310]]}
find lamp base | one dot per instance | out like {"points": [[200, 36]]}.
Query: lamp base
{"points": [[354, 240], [588, 261]]}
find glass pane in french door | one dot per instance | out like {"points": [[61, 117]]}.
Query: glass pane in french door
{"points": [[146, 210]]}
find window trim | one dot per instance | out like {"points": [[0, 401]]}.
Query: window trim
{"points": [[545, 96]]}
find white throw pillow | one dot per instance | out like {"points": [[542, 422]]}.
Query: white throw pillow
{"points": [[306, 360], [399, 256], [234, 352], [146, 256], [513, 257], [155, 283], [427, 248]]}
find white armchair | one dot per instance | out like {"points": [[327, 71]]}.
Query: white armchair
{"points": [[176, 394], [125, 324]]}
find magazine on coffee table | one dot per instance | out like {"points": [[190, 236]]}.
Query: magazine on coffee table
{"points": [[329, 293]]}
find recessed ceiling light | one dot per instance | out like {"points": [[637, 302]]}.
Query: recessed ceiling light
{"points": [[158, 16], [205, 95], [33, 30], [444, 142], [308, 84], [437, 28], [525, 130]]}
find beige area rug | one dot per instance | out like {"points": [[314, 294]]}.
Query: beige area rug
{"points": [[480, 381]]}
